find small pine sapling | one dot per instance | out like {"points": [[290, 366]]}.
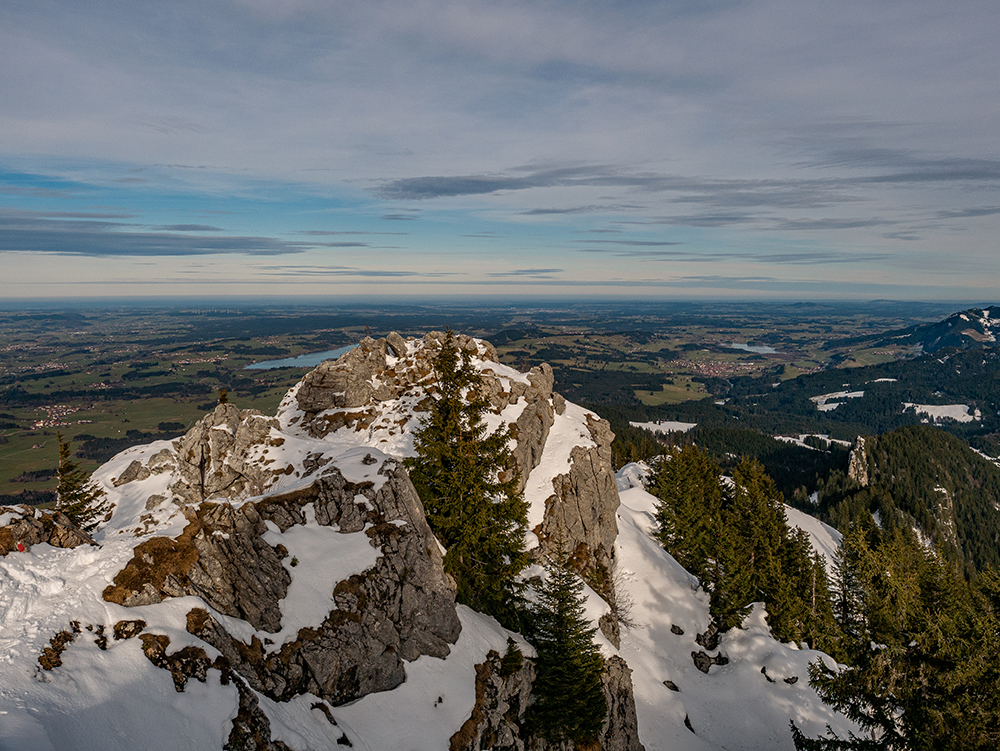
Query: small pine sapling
{"points": [[77, 497]]}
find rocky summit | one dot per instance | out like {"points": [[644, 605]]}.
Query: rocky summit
{"points": [[271, 582]]}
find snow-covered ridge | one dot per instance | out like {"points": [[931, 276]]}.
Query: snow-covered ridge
{"points": [[315, 506], [316, 497]]}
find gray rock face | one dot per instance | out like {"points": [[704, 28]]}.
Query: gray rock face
{"points": [[611, 629], [347, 391], [400, 609], [541, 379], [497, 720], [219, 557], [857, 466], [559, 403], [539, 386], [52, 527], [343, 382], [251, 729], [212, 458], [621, 728], [531, 431], [582, 509]]}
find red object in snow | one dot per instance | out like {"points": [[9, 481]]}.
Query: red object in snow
{"points": [[21, 548]]}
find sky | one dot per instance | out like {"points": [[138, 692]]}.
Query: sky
{"points": [[713, 149]]}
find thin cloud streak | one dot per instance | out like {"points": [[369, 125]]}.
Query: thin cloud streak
{"points": [[767, 132], [103, 239]]}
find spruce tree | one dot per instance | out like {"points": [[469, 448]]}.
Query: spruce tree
{"points": [[468, 489], [688, 515], [923, 672], [848, 605], [83, 502], [735, 539], [569, 700]]}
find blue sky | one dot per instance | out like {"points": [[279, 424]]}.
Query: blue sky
{"points": [[674, 149]]}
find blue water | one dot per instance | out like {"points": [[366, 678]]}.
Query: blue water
{"points": [[310, 360], [760, 350]]}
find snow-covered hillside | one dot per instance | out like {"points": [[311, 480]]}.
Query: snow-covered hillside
{"points": [[279, 570]]}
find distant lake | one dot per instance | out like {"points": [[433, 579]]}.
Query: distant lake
{"points": [[760, 350], [310, 360]]}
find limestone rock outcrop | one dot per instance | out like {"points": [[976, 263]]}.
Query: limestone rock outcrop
{"points": [[345, 382], [400, 609], [213, 458], [530, 432], [857, 466], [220, 556], [621, 728], [581, 510], [31, 528], [497, 722], [365, 390]]}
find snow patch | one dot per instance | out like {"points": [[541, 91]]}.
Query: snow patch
{"points": [[940, 412], [825, 403], [568, 431], [323, 557], [823, 538], [437, 698], [665, 426]]}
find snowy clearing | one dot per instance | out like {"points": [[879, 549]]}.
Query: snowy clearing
{"points": [[939, 412], [665, 426]]}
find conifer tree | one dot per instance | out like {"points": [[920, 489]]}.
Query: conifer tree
{"points": [[83, 502], [848, 605], [686, 482], [758, 513], [923, 674], [569, 700], [735, 539], [469, 492]]}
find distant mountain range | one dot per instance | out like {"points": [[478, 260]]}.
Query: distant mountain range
{"points": [[975, 328]]}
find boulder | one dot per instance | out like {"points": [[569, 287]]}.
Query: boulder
{"points": [[53, 527], [703, 661], [134, 471], [396, 344]]}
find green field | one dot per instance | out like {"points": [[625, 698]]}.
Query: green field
{"points": [[120, 370], [683, 389]]}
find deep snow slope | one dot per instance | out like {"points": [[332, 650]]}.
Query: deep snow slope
{"points": [[353, 423], [732, 707]]}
